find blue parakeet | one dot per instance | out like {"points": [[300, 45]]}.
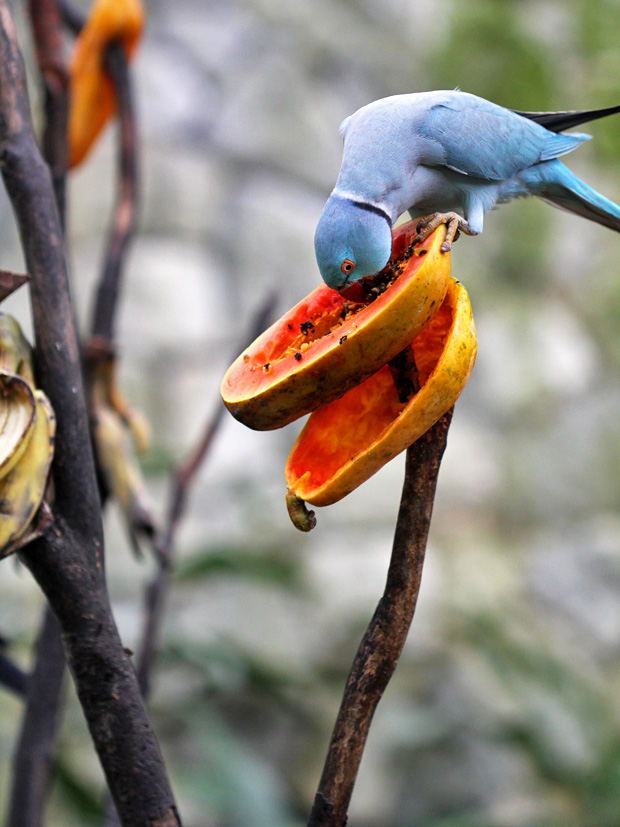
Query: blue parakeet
{"points": [[451, 156]]}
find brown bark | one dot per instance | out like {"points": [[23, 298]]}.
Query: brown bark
{"points": [[380, 649]]}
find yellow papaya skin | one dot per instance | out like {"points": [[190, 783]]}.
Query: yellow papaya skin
{"points": [[343, 444], [287, 373]]}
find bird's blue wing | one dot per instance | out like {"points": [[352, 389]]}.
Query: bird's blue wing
{"points": [[487, 141]]}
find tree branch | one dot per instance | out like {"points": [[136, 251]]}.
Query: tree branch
{"points": [[385, 637], [34, 753], [67, 561], [47, 30], [12, 677], [72, 16], [125, 211], [32, 760], [182, 479]]}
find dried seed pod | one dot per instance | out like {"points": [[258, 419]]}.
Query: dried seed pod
{"points": [[22, 489], [17, 415], [27, 430]]}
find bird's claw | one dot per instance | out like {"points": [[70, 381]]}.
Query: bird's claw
{"points": [[454, 224]]}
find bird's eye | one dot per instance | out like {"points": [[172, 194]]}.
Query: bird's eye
{"points": [[347, 265]]}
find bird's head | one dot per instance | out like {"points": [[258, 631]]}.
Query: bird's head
{"points": [[352, 240]]}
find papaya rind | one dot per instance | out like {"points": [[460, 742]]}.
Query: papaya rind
{"points": [[347, 355], [436, 396]]}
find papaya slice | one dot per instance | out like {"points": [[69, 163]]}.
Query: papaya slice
{"points": [[346, 442], [92, 94], [328, 343]]}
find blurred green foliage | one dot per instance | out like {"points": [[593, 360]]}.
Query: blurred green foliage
{"points": [[485, 50]]}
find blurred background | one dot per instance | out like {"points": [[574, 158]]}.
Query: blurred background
{"points": [[505, 708]]}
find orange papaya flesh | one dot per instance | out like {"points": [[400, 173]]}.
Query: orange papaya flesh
{"points": [[91, 92], [346, 442], [326, 344]]}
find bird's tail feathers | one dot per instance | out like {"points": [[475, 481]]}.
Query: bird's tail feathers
{"points": [[561, 188], [559, 121]]}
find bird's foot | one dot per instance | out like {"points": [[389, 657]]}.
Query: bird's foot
{"points": [[453, 221]]}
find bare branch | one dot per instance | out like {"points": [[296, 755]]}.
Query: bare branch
{"points": [[180, 487], [34, 753], [12, 677], [46, 26], [385, 637], [125, 211], [72, 16]]}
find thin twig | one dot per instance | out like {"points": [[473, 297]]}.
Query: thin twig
{"points": [[47, 30], [124, 218], [72, 16], [67, 560], [12, 677], [34, 753], [125, 210], [385, 637], [179, 492]]}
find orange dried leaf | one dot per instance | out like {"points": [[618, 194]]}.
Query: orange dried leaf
{"points": [[92, 94]]}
